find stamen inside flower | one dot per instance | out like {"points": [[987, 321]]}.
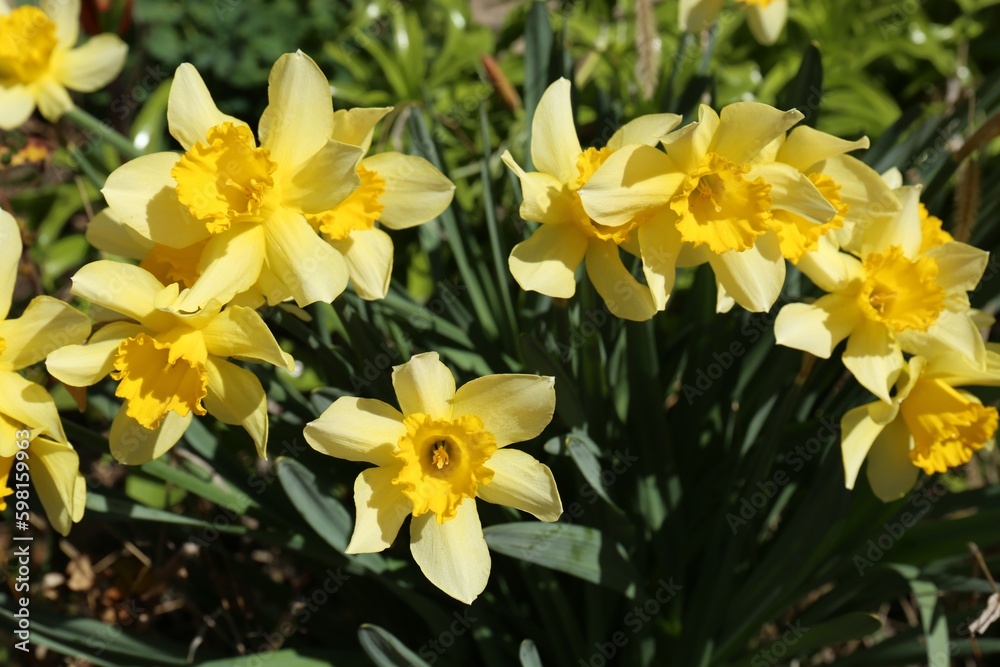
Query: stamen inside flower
{"points": [[159, 376], [947, 425], [27, 40], [798, 235], [443, 462], [899, 292], [358, 212], [718, 206], [175, 265], [226, 178]]}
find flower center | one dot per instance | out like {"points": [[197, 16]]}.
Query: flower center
{"points": [[175, 265], [798, 235], [159, 376], [899, 292], [720, 207], [225, 179], [27, 40], [947, 426], [930, 231], [358, 212], [443, 462], [587, 163]]}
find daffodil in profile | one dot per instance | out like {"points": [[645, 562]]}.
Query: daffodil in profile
{"points": [[170, 365], [894, 297], [766, 18], [27, 412], [434, 456], [547, 261], [397, 191], [929, 424], [721, 213], [40, 61], [239, 206]]}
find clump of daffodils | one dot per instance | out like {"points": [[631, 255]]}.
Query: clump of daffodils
{"points": [[434, 456]]}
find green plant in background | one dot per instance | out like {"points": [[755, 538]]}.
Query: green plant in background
{"points": [[705, 520]]}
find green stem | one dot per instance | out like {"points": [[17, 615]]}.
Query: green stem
{"points": [[101, 131]]}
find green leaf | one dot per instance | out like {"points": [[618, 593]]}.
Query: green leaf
{"points": [[576, 550], [798, 640], [805, 91], [385, 650], [581, 449], [537, 53], [284, 658]]}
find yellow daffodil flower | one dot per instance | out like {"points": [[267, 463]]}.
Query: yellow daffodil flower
{"points": [[434, 457], [547, 261], [928, 425], [239, 206], [891, 298], [27, 412], [722, 212], [398, 191], [766, 18], [39, 60], [170, 365]]}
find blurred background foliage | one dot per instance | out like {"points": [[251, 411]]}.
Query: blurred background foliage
{"points": [[212, 557]]}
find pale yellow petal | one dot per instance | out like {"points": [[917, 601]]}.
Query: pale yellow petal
{"points": [[134, 444], [513, 407], [891, 473], [453, 555], [424, 385], [230, 263], [239, 331], [55, 468], [85, 365], [633, 181], [109, 234], [66, 15], [10, 258], [902, 230], [545, 199], [624, 296], [298, 120], [952, 330], [767, 22], [817, 327], [308, 268], [191, 111], [53, 99], [521, 482], [93, 65], [46, 325], [688, 145], [547, 261], [357, 429], [755, 276], [235, 396], [356, 126], [29, 403], [16, 105], [805, 146], [123, 288], [415, 192], [830, 269], [858, 432], [369, 261], [554, 144], [323, 180], [660, 246], [381, 510], [648, 130], [792, 191], [747, 127], [698, 15], [960, 266], [874, 358], [143, 194]]}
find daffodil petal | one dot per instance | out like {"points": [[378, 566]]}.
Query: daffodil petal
{"points": [[299, 117], [357, 429], [624, 296], [123, 288], [547, 261], [660, 245], [109, 234], [191, 111], [381, 510], [424, 385], [792, 191], [452, 555], [554, 144], [755, 276], [356, 126], [93, 65], [66, 15], [85, 365], [868, 197], [817, 327], [415, 191], [513, 407], [323, 180], [369, 261], [29, 403], [303, 262], [874, 358], [698, 15], [951, 331], [858, 433], [143, 194], [79, 497], [230, 263], [235, 396], [648, 130], [54, 470], [521, 482], [10, 257], [133, 444], [891, 473], [544, 199], [903, 230], [747, 127], [767, 22], [53, 99], [806, 146], [960, 266], [46, 325], [632, 181], [688, 145], [239, 331], [16, 106]]}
